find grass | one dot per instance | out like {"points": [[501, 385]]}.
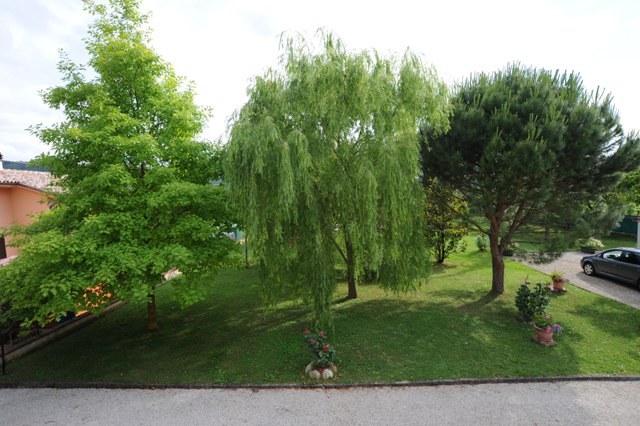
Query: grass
{"points": [[613, 241], [451, 328]]}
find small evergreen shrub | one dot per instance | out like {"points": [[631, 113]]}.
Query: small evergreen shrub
{"points": [[532, 301], [481, 243]]}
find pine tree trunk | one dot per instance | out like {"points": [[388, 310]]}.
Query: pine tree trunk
{"points": [[497, 263], [152, 322], [351, 269]]}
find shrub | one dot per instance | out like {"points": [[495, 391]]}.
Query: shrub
{"points": [[481, 243], [322, 353], [532, 301], [590, 243]]}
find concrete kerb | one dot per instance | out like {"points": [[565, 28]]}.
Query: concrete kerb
{"points": [[55, 334], [303, 386]]}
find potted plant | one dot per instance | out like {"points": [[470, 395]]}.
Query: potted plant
{"points": [[545, 327], [531, 301], [323, 356], [558, 280], [590, 245]]}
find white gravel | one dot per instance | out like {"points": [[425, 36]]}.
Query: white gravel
{"points": [[569, 263], [568, 403]]}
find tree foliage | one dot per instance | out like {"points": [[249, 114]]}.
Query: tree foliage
{"points": [[601, 215], [136, 196], [529, 147], [443, 210], [324, 158]]}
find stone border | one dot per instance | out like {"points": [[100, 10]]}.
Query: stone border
{"points": [[49, 335], [425, 383]]}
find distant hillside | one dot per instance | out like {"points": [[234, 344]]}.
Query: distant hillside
{"points": [[21, 165]]}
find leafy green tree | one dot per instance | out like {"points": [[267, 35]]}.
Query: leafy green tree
{"points": [[601, 215], [529, 147], [445, 229], [324, 157], [628, 190], [136, 193]]}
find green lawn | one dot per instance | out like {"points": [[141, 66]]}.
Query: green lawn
{"points": [[613, 241], [449, 329]]}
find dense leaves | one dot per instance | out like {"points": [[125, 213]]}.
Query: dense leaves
{"points": [[136, 193], [445, 229], [324, 157], [529, 147]]}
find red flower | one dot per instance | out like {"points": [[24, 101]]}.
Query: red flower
{"points": [[307, 332], [321, 334], [327, 346], [313, 341], [325, 349]]}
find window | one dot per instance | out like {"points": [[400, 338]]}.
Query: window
{"points": [[631, 257], [613, 255]]}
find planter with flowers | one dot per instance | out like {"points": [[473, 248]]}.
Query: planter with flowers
{"points": [[590, 245], [545, 328], [323, 356], [558, 280]]}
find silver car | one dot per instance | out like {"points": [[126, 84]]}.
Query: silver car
{"points": [[620, 263]]}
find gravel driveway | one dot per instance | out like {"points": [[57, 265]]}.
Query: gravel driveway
{"points": [[569, 263]]}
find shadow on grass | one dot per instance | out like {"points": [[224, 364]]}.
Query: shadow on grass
{"points": [[452, 330]]}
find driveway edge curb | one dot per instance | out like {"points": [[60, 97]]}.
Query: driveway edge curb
{"points": [[425, 383]]}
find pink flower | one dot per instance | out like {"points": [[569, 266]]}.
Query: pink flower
{"points": [[321, 334], [327, 346], [548, 329], [307, 332], [547, 316], [313, 341]]}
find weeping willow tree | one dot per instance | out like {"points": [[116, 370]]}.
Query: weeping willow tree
{"points": [[324, 160]]}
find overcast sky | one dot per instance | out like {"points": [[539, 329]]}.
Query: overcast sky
{"points": [[221, 45]]}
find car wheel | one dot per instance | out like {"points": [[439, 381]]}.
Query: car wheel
{"points": [[588, 269]]}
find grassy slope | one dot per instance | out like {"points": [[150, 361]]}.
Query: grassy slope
{"points": [[450, 328]]}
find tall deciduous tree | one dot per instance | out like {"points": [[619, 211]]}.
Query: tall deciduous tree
{"points": [[324, 157], [136, 188], [529, 146], [443, 211]]}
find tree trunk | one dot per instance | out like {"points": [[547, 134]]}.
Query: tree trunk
{"points": [[152, 322], [441, 249], [351, 269], [497, 263]]}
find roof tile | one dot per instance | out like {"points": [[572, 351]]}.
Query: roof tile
{"points": [[38, 180]]}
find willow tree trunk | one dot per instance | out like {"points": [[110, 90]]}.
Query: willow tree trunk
{"points": [[152, 322], [351, 269], [497, 262]]}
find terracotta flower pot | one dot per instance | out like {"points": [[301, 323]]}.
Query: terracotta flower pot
{"points": [[543, 336], [558, 284]]}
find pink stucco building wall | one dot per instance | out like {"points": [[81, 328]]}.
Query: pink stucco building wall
{"points": [[17, 204]]}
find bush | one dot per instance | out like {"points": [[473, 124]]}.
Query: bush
{"points": [[322, 353], [590, 243], [531, 302], [481, 243]]}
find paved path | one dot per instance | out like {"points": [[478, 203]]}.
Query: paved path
{"points": [[570, 264], [569, 403]]}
